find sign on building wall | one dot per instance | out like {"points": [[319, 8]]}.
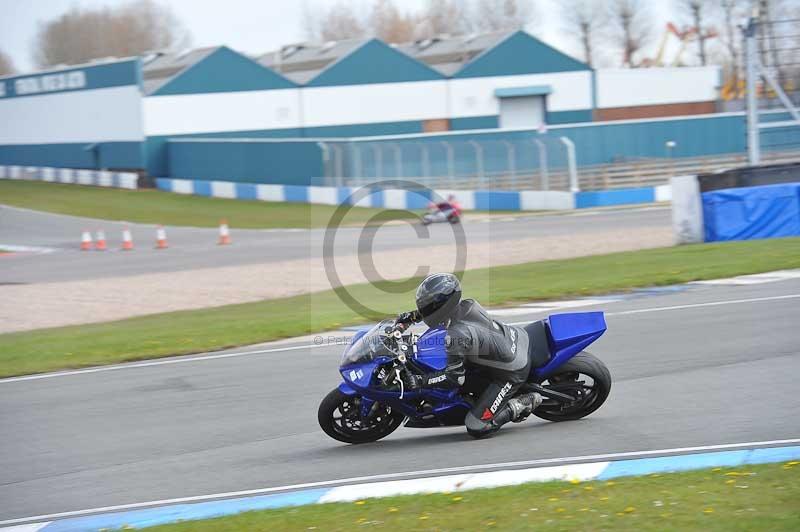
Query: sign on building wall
{"points": [[93, 76]]}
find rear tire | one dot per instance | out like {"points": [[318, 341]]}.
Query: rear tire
{"points": [[567, 378], [339, 417]]}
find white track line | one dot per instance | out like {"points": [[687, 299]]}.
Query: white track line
{"points": [[426, 472], [696, 305], [164, 362]]}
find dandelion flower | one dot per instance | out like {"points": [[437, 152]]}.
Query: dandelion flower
{"points": [[553, 499], [610, 483], [423, 517], [708, 511], [588, 488], [457, 498], [360, 502], [630, 509], [393, 509]]}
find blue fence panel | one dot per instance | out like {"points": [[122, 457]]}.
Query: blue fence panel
{"points": [[249, 161]]}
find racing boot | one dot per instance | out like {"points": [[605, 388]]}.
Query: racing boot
{"points": [[522, 405]]}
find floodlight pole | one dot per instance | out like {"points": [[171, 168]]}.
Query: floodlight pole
{"points": [[751, 59]]}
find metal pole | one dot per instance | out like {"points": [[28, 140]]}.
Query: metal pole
{"points": [[376, 148], [326, 159], [398, 161], [357, 163], [426, 168], [545, 175], [451, 161], [574, 186], [751, 58], [512, 163], [339, 164], [479, 161]]}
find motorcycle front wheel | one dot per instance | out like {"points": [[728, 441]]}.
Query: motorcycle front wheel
{"points": [[341, 418]]}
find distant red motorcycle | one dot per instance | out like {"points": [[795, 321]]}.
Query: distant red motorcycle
{"points": [[445, 211]]}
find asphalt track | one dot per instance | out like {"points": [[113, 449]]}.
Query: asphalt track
{"points": [[698, 366], [192, 248]]}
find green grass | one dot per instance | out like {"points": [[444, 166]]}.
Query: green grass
{"points": [[763, 497], [214, 328], [158, 207]]}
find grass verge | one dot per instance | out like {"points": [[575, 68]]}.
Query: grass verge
{"points": [[194, 331], [762, 497], [158, 207]]}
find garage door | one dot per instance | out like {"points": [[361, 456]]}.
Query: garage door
{"points": [[522, 111]]}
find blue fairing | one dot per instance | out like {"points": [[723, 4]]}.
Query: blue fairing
{"points": [[570, 334], [347, 389], [431, 350]]}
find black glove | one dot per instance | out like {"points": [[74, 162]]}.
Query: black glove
{"points": [[407, 318]]}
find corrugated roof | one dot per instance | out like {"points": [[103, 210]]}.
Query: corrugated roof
{"points": [[449, 54], [303, 61], [158, 68]]}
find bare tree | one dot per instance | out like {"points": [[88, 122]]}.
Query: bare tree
{"points": [[339, 22], [82, 34], [732, 11], [442, 17], [390, 25], [6, 65], [629, 25], [581, 19], [499, 15], [698, 11]]}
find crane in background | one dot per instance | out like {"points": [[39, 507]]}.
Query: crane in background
{"points": [[683, 37]]}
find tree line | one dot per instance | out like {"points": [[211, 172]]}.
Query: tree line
{"points": [[603, 33]]}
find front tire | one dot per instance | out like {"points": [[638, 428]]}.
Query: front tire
{"points": [[340, 417], [584, 375]]}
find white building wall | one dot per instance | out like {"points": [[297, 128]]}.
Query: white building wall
{"points": [[417, 101], [222, 111], [110, 114], [628, 87], [572, 91], [379, 102]]}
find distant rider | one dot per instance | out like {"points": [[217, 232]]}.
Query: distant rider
{"points": [[474, 340]]}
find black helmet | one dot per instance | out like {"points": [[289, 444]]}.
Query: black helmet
{"points": [[437, 298]]}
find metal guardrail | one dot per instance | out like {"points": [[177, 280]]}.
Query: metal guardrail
{"points": [[641, 173]]}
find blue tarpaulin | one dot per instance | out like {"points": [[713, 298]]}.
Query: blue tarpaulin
{"points": [[747, 213]]}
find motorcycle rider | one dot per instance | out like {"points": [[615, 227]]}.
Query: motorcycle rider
{"points": [[474, 339]]}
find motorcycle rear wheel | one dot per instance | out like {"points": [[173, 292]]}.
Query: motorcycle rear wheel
{"points": [[339, 416], [583, 375]]}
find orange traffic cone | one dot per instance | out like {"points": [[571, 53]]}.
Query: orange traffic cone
{"points": [[100, 243], [224, 234], [161, 238], [127, 239], [86, 241]]}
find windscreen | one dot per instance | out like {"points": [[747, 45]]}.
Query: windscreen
{"points": [[369, 346]]}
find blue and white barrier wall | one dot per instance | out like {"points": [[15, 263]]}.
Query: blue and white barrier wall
{"points": [[742, 213], [100, 178], [480, 200], [196, 508]]}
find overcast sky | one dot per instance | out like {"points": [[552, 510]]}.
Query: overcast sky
{"points": [[251, 26]]}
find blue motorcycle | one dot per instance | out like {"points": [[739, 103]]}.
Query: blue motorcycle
{"points": [[373, 401]]}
